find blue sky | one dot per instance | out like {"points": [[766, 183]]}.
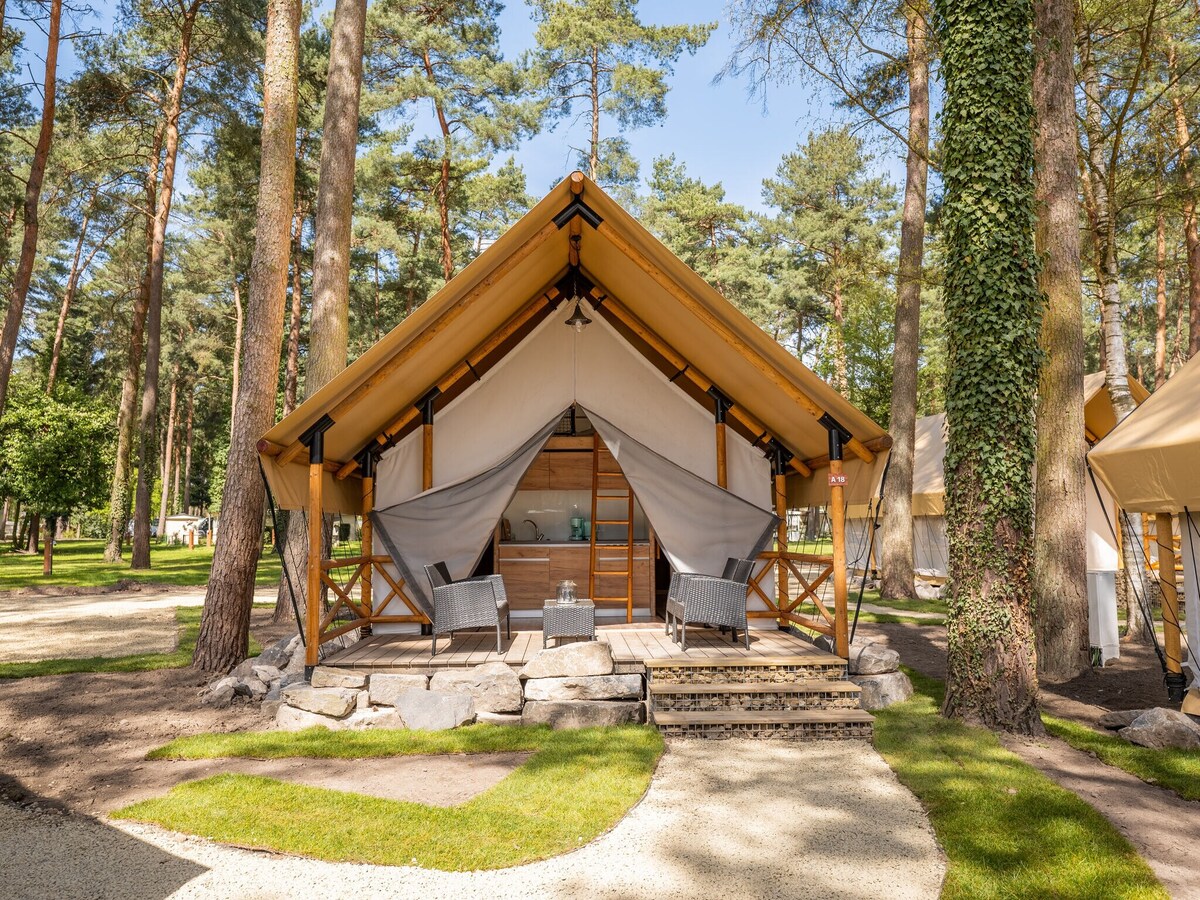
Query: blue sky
{"points": [[722, 132]]}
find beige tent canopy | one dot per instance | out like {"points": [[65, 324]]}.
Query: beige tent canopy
{"points": [[460, 387], [449, 339]]}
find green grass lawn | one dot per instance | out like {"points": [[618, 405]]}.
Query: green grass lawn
{"points": [[1176, 770], [81, 564], [576, 786], [1007, 830], [188, 618]]}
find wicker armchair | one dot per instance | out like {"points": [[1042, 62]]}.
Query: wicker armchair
{"points": [[469, 603], [709, 600]]}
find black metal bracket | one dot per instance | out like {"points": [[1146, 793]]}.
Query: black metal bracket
{"points": [[366, 462], [314, 438], [425, 405], [722, 404], [1176, 683], [780, 457], [838, 435], [577, 208]]}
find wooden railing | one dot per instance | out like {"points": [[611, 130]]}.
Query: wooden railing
{"points": [[362, 606], [787, 606]]}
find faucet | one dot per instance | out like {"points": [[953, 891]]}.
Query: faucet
{"points": [[537, 532]]}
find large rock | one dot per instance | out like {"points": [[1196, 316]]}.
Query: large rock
{"points": [[1119, 718], [927, 591], [255, 686], [435, 710], [871, 658], [266, 674], [368, 718], [295, 664], [1162, 729], [220, 692], [336, 702], [289, 718], [491, 718], [494, 687], [329, 677], [879, 691], [279, 653], [579, 658], [560, 714], [585, 687], [385, 687]]}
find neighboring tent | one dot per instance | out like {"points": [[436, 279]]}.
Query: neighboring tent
{"points": [[475, 373], [1150, 463]]}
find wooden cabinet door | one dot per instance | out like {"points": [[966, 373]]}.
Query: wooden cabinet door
{"points": [[526, 581], [570, 471]]}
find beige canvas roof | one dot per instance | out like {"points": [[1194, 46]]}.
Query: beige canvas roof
{"points": [[1151, 461], [512, 277]]}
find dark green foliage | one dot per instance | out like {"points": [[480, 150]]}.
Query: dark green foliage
{"points": [[993, 315]]}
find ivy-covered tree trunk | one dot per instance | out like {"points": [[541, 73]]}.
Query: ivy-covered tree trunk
{"points": [[225, 623], [1060, 554], [897, 530], [992, 322]]}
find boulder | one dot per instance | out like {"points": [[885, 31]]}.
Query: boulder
{"points": [[435, 710], [1119, 718], [270, 708], [1162, 729], [579, 658], [329, 677], [879, 691], [491, 718], [385, 688], [336, 702], [365, 719], [927, 591], [245, 668], [289, 718], [585, 687], [871, 658], [266, 674], [494, 687], [295, 663], [279, 653], [220, 692], [257, 689], [559, 714]]}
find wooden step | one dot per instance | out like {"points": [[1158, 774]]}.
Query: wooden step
{"points": [[809, 685], [815, 658], [801, 724]]}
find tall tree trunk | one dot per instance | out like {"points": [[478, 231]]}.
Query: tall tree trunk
{"points": [[33, 198], [897, 537], [48, 547], [594, 151], [164, 503], [331, 238], [34, 530], [239, 327], [291, 376], [68, 296], [148, 419], [4, 518], [119, 497], [1160, 283], [187, 455], [16, 520], [837, 334], [993, 365], [176, 468], [1191, 232], [1060, 501], [1116, 364], [225, 623]]}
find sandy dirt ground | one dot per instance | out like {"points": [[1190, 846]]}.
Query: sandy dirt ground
{"points": [[855, 832], [83, 625]]}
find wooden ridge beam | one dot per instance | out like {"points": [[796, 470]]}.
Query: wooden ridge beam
{"points": [[435, 328], [643, 262]]}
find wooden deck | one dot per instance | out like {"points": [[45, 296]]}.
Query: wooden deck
{"points": [[633, 645]]}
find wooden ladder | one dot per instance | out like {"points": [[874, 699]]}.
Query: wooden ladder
{"points": [[603, 480]]}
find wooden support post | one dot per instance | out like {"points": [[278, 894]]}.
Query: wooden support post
{"points": [[1164, 535], [721, 405], [315, 439], [783, 598], [426, 407], [837, 519], [191, 538], [366, 536]]}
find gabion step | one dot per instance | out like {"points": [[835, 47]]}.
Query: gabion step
{"points": [[802, 724], [747, 670], [813, 693]]}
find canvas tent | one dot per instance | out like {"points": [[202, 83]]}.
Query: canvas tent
{"points": [[442, 412], [1149, 464]]}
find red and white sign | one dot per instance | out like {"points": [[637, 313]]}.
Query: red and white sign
{"points": [[838, 480]]}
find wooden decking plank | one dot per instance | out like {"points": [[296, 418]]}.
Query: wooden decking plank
{"points": [[806, 686], [764, 716]]}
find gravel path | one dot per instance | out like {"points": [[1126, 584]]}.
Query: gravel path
{"points": [[80, 626], [721, 819]]}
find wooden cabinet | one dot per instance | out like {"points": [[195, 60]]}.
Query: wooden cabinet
{"points": [[532, 573], [570, 470], [537, 477]]}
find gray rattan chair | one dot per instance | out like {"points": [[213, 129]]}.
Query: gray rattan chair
{"points": [[709, 600], [470, 603]]}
